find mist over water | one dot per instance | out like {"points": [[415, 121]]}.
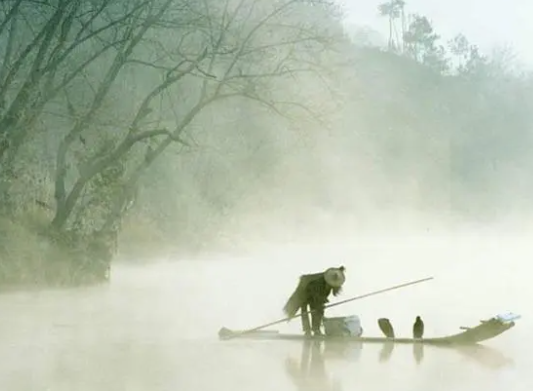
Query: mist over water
{"points": [[416, 174], [155, 326]]}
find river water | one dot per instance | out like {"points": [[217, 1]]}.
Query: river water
{"points": [[154, 327]]}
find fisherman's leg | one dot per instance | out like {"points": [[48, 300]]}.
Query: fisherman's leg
{"points": [[317, 317], [306, 326]]}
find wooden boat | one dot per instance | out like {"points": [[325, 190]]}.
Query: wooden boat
{"points": [[487, 329]]}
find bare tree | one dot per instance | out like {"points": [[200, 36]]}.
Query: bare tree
{"points": [[233, 51], [107, 87], [46, 47], [131, 36]]}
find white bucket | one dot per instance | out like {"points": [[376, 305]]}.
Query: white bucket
{"points": [[343, 326]]}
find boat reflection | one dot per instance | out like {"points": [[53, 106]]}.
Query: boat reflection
{"points": [[311, 374], [485, 356]]}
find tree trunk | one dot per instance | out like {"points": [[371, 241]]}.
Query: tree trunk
{"points": [[390, 32]]}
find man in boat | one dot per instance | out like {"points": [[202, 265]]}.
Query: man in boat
{"points": [[313, 291]]}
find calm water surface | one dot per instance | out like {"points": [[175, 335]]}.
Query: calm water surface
{"points": [[155, 327]]}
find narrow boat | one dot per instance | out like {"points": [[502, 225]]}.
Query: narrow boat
{"points": [[487, 329]]}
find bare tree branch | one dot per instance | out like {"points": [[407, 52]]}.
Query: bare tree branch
{"points": [[149, 64], [251, 34], [95, 33], [6, 62], [10, 15], [66, 202], [15, 68]]}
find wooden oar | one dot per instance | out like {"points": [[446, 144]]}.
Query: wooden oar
{"points": [[228, 335]]}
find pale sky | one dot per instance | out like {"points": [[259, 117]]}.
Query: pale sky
{"points": [[485, 23]]}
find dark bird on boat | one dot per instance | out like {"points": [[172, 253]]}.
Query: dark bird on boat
{"points": [[313, 291], [386, 327], [418, 328]]}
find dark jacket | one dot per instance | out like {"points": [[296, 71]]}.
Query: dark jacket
{"points": [[312, 290]]}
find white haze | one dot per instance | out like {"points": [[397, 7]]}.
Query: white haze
{"points": [[489, 24], [154, 327]]}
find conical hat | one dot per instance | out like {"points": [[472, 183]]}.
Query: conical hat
{"points": [[335, 277]]}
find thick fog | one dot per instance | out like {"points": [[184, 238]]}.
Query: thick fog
{"points": [[195, 158]]}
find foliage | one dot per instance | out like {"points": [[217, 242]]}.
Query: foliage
{"points": [[421, 44]]}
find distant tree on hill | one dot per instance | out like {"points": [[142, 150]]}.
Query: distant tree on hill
{"points": [[393, 9], [421, 44], [469, 59]]}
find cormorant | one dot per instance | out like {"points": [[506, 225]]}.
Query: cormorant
{"points": [[386, 327], [418, 328]]}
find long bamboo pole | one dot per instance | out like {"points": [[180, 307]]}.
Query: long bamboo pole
{"points": [[227, 334]]}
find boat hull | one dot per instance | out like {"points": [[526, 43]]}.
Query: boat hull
{"points": [[469, 336]]}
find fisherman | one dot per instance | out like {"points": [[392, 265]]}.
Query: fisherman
{"points": [[313, 291]]}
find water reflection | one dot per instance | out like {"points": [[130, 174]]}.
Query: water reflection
{"points": [[388, 348], [310, 373], [418, 352], [485, 356], [386, 352]]}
